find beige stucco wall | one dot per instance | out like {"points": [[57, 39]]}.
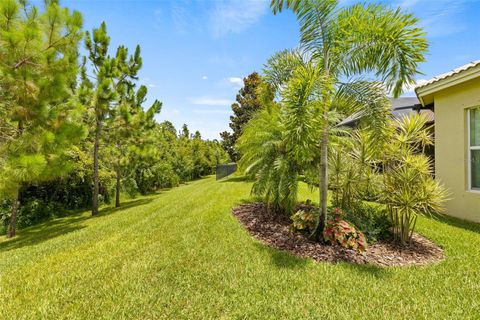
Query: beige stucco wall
{"points": [[451, 140]]}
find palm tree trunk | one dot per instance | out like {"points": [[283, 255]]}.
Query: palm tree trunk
{"points": [[96, 180], [12, 230], [117, 189], [323, 185]]}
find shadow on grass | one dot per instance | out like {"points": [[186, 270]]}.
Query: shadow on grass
{"points": [[282, 259], [126, 205], [44, 231], [459, 223], [367, 269], [285, 260], [234, 179], [61, 226], [250, 200]]}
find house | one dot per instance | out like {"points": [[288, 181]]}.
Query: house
{"points": [[401, 107], [455, 99]]}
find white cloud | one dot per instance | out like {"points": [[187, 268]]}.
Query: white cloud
{"points": [[171, 114], [147, 82], [409, 90], [174, 111], [210, 101], [211, 111], [204, 78], [208, 129], [158, 18], [181, 17], [346, 2], [236, 81], [409, 3], [231, 16], [438, 17]]}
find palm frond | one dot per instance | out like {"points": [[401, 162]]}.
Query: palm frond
{"points": [[368, 102], [279, 68], [278, 5], [300, 117], [375, 38]]}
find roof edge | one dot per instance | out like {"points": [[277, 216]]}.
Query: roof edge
{"points": [[454, 77]]}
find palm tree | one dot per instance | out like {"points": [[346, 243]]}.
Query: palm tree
{"points": [[345, 44]]}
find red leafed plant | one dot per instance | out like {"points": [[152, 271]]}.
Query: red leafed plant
{"points": [[341, 232]]}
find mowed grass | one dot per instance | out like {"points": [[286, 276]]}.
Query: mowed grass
{"points": [[182, 255]]}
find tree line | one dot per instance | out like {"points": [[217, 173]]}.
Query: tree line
{"points": [[75, 130]]}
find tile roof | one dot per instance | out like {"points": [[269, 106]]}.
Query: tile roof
{"points": [[450, 73]]}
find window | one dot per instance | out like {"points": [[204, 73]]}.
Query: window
{"points": [[474, 148]]}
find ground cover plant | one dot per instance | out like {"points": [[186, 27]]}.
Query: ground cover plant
{"points": [[181, 254]]}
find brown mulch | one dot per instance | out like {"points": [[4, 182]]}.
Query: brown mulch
{"points": [[274, 231]]}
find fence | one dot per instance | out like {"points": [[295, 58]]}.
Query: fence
{"points": [[224, 170]]}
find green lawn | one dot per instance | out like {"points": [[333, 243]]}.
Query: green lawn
{"points": [[181, 254]]}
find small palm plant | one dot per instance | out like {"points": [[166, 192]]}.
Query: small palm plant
{"points": [[409, 187], [264, 157]]}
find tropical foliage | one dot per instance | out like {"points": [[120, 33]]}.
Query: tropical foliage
{"points": [[341, 232], [395, 173], [303, 220], [320, 84]]}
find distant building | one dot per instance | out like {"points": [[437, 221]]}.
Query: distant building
{"points": [[400, 107]]}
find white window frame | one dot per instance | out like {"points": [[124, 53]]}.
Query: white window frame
{"points": [[470, 148]]}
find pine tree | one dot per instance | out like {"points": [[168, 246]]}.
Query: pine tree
{"points": [[100, 96], [127, 130], [38, 67], [185, 133], [248, 102]]}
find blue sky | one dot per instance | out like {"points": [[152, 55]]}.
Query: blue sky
{"points": [[195, 53]]}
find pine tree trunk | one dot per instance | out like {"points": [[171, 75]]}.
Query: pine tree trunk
{"points": [[13, 220], [96, 181], [117, 190], [12, 229]]}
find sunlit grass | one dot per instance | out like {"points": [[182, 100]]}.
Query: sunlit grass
{"points": [[181, 254]]}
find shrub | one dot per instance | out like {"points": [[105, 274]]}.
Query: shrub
{"points": [[30, 212], [5, 209], [303, 221], [372, 220], [409, 187], [341, 232]]}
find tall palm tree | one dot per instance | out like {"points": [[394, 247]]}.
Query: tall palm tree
{"points": [[346, 44]]}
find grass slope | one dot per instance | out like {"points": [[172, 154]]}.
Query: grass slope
{"points": [[181, 254]]}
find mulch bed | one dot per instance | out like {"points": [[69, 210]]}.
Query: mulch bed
{"points": [[274, 231]]}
